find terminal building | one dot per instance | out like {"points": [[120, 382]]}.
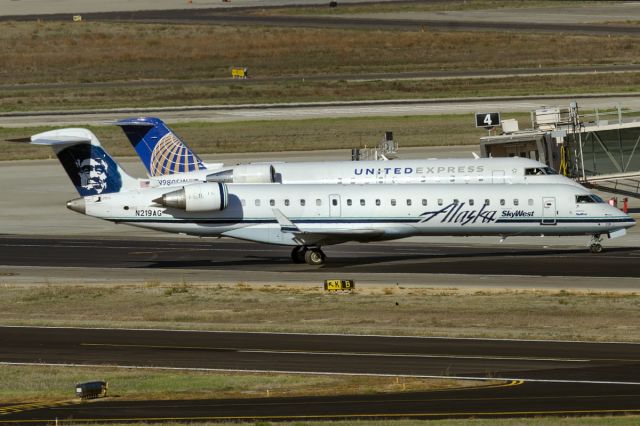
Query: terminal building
{"points": [[599, 148]]}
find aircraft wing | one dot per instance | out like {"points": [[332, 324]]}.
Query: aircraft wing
{"points": [[315, 236]]}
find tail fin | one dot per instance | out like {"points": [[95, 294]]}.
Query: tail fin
{"points": [[89, 166], [161, 150]]}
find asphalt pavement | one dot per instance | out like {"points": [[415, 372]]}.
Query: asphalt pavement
{"points": [[535, 377]]}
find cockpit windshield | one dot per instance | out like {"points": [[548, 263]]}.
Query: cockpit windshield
{"points": [[590, 198], [539, 171]]}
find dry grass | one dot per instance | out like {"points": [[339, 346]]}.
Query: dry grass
{"points": [[75, 53], [260, 136], [51, 383], [34, 52], [562, 315], [161, 95]]}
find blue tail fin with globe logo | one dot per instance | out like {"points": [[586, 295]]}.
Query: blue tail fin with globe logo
{"points": [[159, 148]]}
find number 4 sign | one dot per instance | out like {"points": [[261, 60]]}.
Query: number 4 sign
{"points": [[487, 119]]}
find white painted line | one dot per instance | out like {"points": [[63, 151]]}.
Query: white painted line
{"points": [[327, 353], [392, 355], [324, 373]]}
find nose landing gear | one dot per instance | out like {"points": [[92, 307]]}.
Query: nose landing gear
{"points": [[595, 244], [309, 255]]}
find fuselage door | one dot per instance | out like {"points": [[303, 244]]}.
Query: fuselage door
{"points": [[498, 176], [334, 205], [548, 211]]}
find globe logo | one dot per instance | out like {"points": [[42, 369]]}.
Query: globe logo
{"points": [[171, 156]]}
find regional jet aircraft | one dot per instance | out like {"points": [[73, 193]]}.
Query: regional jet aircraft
{"points": [[309, 216], [169, 161]]}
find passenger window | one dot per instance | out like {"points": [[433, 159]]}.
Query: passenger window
{"points": [[486, 202], [424, 201], [471, 201], [318, 202], [377, 202], [502, 202], [272, 203], [302, 202], [515, 202], [362, 203], [334, 202], [257, 203], [286, 202], [348, 201], [439, 201], [530, 201], [455, 201], [408, 201], [393, 202]]}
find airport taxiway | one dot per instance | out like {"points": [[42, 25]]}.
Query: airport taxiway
{"points": [[301, 111], [82, 259], [538, 377], [612, 19]]}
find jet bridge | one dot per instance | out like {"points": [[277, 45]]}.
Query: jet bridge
{"points": [[598, 147]]}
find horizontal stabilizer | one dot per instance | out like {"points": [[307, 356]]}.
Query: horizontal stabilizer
{"points": [[59, 140], [134, 122]]}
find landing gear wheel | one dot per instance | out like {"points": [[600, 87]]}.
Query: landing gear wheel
{"points": [[297, 254], [314, 257], [595, 244]]}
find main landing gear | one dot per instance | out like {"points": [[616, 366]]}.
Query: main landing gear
{"points": [[309, 255], [595, 244]]}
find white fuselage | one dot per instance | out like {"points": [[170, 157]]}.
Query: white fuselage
{"points": [[440, 171], [332, 213]]}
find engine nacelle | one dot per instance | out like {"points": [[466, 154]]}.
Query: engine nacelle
{"points": [[198, 197], [245, 173]]}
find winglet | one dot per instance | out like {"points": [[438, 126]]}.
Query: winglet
{"points": [[285, 224]]}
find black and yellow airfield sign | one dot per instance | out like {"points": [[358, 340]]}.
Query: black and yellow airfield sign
{"points": [[339, 285]]}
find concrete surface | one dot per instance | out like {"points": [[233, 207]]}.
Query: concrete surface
{"points": [[399, 107], [41, 7], [595, 12]]}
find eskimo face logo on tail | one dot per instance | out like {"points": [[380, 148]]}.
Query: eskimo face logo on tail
{"points": [[91, 170], [171, 156]]}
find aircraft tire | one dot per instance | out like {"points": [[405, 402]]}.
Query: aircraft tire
{"points": [[314, 257], [298, 254], [596, 248]]}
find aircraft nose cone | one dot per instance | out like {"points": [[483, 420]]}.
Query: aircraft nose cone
{"points": [[78, 205]]}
